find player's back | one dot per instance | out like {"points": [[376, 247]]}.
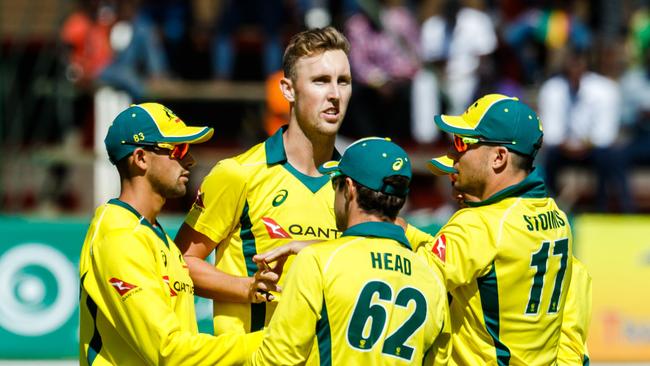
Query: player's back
{"points": [[384, 304], [512, 313]]}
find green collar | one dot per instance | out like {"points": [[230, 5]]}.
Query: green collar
{"points": [[158, 229], [379, 230], [531, 187], [275, 154]]}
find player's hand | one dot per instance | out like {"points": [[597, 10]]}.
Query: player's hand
{"points": [[263, 282], [281, 253]]}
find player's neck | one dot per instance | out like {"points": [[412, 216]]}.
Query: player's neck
{"points": [[142, 198], [501, 182], [307, 153]]}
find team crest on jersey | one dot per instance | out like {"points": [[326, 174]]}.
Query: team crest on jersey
{"points": [[122, 287], [440, 247], [171, 291], [274, 229]]}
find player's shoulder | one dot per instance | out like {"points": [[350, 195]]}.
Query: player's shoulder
{"points": [[473, 216], [240, 167]]}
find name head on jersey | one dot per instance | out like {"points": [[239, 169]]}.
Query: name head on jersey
{"points": [[369, 161], [149, 124]]}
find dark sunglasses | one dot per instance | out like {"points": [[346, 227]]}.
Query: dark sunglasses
{"points": [[461, 143], [178, 151]]}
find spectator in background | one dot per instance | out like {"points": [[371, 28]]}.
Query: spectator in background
{"points": [[453, 40], [234, 13], [581, 111], [538, 34], [139, 52], [384, 57], [85, 33], [635, 91]]}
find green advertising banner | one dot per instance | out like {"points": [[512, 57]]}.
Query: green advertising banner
{"points": [[39, 287]]}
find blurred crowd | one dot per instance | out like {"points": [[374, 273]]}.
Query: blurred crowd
{"points": [[584, 65]]}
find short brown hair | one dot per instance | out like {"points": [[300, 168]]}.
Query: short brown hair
{"points": [[311, 42], [376, 203]]}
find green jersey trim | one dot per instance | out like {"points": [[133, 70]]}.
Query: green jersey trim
{"points": [[323, 333], [156, 229], [313, 183], [249, 249], [275, 154], [489, 290], [531, 187], [95, 345], [379, 230]]}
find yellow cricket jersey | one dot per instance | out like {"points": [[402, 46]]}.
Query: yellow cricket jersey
{"points": [[253, 203], [507, 265], [363, 299], [137, 302], [577, 316]]}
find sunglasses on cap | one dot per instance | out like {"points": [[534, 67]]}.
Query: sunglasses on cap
{"points": [[178, 151], [461, 143]]}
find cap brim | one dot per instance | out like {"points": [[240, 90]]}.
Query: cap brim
{"points": [[330, 168], [441, 165], [189, 135], [454, 124]]}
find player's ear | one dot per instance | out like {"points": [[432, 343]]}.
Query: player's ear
{"points": [[499, 158], [140, 159], [350, 191], [286, 86]]}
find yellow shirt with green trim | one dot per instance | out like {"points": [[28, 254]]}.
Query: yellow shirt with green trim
{"points": [[363, 299], [507, 265], [253, 203], [577, 316], [137, 303]]}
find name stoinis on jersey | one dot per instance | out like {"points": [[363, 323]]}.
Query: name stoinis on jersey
{"points": [[544, 221], [390, 262]]}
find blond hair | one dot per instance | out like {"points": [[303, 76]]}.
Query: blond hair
{"points": [[309, 43]]}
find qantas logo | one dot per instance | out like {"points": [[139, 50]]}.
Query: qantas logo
{"points": [[120, 286], [275, 231], [440, 247], [171, 291]]}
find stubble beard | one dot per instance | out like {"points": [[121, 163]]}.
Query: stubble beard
{"points": [[169, 191]]}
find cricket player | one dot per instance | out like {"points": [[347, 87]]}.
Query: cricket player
{"points": [[507, 256], [365, 298], [137, 298], [273, 193], [577, 309]]}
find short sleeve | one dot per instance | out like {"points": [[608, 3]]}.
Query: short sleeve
{"points": [[464, 248], [219, 201]]}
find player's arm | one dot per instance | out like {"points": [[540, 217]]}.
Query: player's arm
{"points": [[214, 216], [572, 348], [215, 284], [461, 250], [289, 337], [439, 352], [143, 316]]}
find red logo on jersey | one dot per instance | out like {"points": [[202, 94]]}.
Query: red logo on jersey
{"points": [[171, 291], [198, 201], [275, 231], [440, 247], [120, 286]]}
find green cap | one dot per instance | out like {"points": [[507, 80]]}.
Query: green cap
{"points": [[149, 123], [442, 165], [369, 161], [500, 118]]}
